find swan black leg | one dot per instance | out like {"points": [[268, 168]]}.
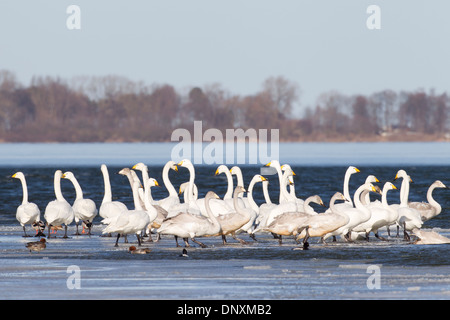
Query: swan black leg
{"points": [[25, 233], [224, 239], [65, 232], [117, 240], [138, 239]]}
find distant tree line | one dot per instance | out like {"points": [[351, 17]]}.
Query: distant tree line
{"points": [[114, 108]]}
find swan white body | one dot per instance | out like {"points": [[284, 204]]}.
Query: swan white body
{"points": [[188, 225], [252, 207], [431, 208], [381, 214], [269, 213], [27, 212], [408, 218], [83, 209], [430, 237], [324, 223], [172, 199], [346, 192], [356, 215], [288, 223], [59, 211], [109, 210], [130, 221], [233, 221]]}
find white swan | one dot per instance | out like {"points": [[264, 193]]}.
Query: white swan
{"points": [[432, 208], [218, 206], [58, 212], [408, 218], [288, 223], [84, 210], [130, 221], [172, 199], [233, 221], [27, 212], [381, 214], [283, 197], [357, 215], [187, 225], [321, 224], [365, 195], [224, 169], [183, 191], [109, 209], [271, 212], [429, 237], [132, 176], [249, 226]]}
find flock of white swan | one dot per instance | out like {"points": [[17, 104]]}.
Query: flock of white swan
{"points": [[237, 212]]}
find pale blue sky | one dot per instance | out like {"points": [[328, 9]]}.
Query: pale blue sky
{"points": [[322, 45]]}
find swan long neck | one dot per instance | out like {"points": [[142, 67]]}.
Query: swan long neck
{"points": [[431, 200], [333, 204], [236, 204], [384, 202], [136, 199], [346, 187], [266, 192], [191, 182], [211, 216], [25, 190], [57, 185], [252, 202], [165, 176], [284, 195], [404, 192], [108, 194], [78, 190], [357, 201], [280, 179], [229, 193]]}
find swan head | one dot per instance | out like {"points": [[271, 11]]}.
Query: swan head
{"points": [[372, 178], [183, 187], [235, 170], [401, 174], [239, 189], [124, 171], [352, 170], [212, 195], [439, 184], [273, 163], [139, 166], [316, 199], [221, 169], [390, 186], [68, 175], [152, 182], [185, 163], [370, 187], [18, 175], [338, 196], [286, 167]]}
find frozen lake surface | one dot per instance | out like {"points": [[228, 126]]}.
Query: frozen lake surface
{"points": [[259, 270]]}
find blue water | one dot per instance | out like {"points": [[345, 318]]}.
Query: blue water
{"points": [[259, 270]]}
